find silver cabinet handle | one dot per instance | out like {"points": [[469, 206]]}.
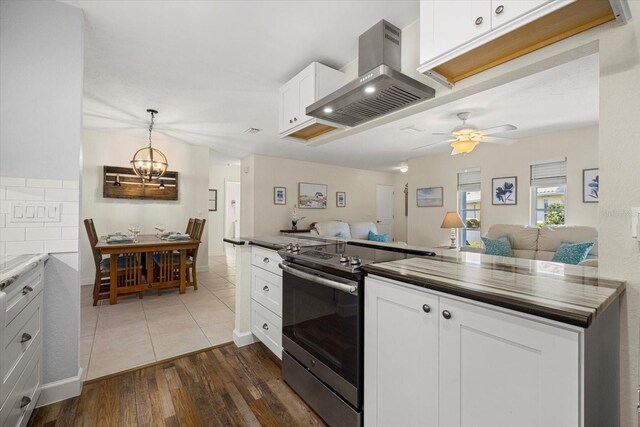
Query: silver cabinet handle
{"points": [[343, 287], [290, 121], [499, 9], [26, 290], [266, 288], [25, 337], [479, 20], [446, 314], [426, 308], [295, 119], [265, 326], [25, 401], [266, 260]]}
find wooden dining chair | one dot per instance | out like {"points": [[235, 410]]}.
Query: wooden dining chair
{"points": [[101, 282], [165, 270], [192, 255], [190, 226]]}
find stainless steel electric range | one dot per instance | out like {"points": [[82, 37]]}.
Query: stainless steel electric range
{"points": [[323, 325]]}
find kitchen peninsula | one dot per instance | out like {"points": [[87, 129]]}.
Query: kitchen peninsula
{"points": [[462, 335]]}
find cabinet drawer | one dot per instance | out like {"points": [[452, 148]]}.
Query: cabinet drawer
{"points": [[22, 337], [267, 260], [267, 327], [19, 294], [23, 397], [266, 288]]}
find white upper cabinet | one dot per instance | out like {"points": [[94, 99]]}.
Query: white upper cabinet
{"points": [[451, 24], [449, 29], [311, 84], [505, 11]]}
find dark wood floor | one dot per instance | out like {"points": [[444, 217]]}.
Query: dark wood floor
{"points": [[226, 386]]}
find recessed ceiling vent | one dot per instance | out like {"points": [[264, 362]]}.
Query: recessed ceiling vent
{"points": [[252, 130]]}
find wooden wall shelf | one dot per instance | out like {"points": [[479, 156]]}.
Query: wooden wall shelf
{"points": [[132, 186]]}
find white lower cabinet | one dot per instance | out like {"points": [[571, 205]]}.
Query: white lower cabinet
{"points": [[434, 360], [266, 299]]}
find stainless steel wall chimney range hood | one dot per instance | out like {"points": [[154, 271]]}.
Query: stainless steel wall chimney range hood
{"points": [[381, 87]]}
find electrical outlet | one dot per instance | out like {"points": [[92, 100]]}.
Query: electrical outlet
{"points": [[635, 222]]}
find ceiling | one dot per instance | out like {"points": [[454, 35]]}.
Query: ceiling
{"points": [[213, 69]]}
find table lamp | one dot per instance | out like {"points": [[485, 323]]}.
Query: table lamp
{"points": [[452, 220]]}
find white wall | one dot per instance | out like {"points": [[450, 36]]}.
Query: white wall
{"points": [[219, 175], [109, 215], [579, 146], [269, 172], [41, 69]]}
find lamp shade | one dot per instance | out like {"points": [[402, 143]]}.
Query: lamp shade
{"points": [[464, 146], [452, 220]]}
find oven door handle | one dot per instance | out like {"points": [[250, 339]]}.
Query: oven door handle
{"points": [[320, 280]]}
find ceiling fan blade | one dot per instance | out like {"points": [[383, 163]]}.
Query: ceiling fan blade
{"points": [[498, 129], [434, 144], [439, 133], [454, 153], [497, 140]]}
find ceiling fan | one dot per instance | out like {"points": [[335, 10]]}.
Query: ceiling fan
{"points": [[466, 136]]}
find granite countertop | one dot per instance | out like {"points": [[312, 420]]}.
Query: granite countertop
{"points": [[12, 266], [566, 293], [277, 242]]}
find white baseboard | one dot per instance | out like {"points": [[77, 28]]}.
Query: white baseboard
{"points": [[202, 268], [87, 281], [243, 338], [60, 390], [218, 253]]}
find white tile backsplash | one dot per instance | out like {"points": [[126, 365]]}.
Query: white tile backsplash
{"points": [[52, 246], [62, 195], [12, 235], [37, 237], [69, 233], [12, 182], [43, 233], [44, 183], [25, 193], [16, 248]]}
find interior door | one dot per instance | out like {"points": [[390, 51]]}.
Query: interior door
{"points": [[384, 210], [498, 369]]}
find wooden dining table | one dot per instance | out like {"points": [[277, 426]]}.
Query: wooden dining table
{"points": [[147, 244]]}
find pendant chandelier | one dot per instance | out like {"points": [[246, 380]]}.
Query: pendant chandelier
{"points": [[149, 163]]}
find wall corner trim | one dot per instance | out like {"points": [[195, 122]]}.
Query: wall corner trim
{"points": [[60, 390], [242, 339]]}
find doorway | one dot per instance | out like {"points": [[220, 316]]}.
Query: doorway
{"points": [[384, 210], [232, 210]]}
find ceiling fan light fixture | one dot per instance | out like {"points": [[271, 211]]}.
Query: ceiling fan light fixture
{"points": [[149, 163], [464, 146], [404, 168]]}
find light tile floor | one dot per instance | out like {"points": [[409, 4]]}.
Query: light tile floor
{"points": [[135, 332]]}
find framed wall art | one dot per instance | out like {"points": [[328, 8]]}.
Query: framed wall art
{"points": [[312, 196], [279, 195], [430, 197], [505, 191], [590, 185], [341, 199]]}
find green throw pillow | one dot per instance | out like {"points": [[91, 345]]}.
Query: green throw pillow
{"points": [[500, 246], [572, 253]]}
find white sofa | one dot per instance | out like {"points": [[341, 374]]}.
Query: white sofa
{"points": [[541, 243], [347, 230]]}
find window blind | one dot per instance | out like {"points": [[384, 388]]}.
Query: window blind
{"points": [[549, 173], [469, 180]]}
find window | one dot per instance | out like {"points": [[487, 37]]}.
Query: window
{"points": [[548, 193], [469, 206]]}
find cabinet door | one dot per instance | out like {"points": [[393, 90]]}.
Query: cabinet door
{"points": [[505, 11], [498, 370], [445, 25], [306, 94], [400, 356], [289, 105]]}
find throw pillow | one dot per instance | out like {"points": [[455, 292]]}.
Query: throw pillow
{"points": [[378, 237], [499, 247], [572, 253]]}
